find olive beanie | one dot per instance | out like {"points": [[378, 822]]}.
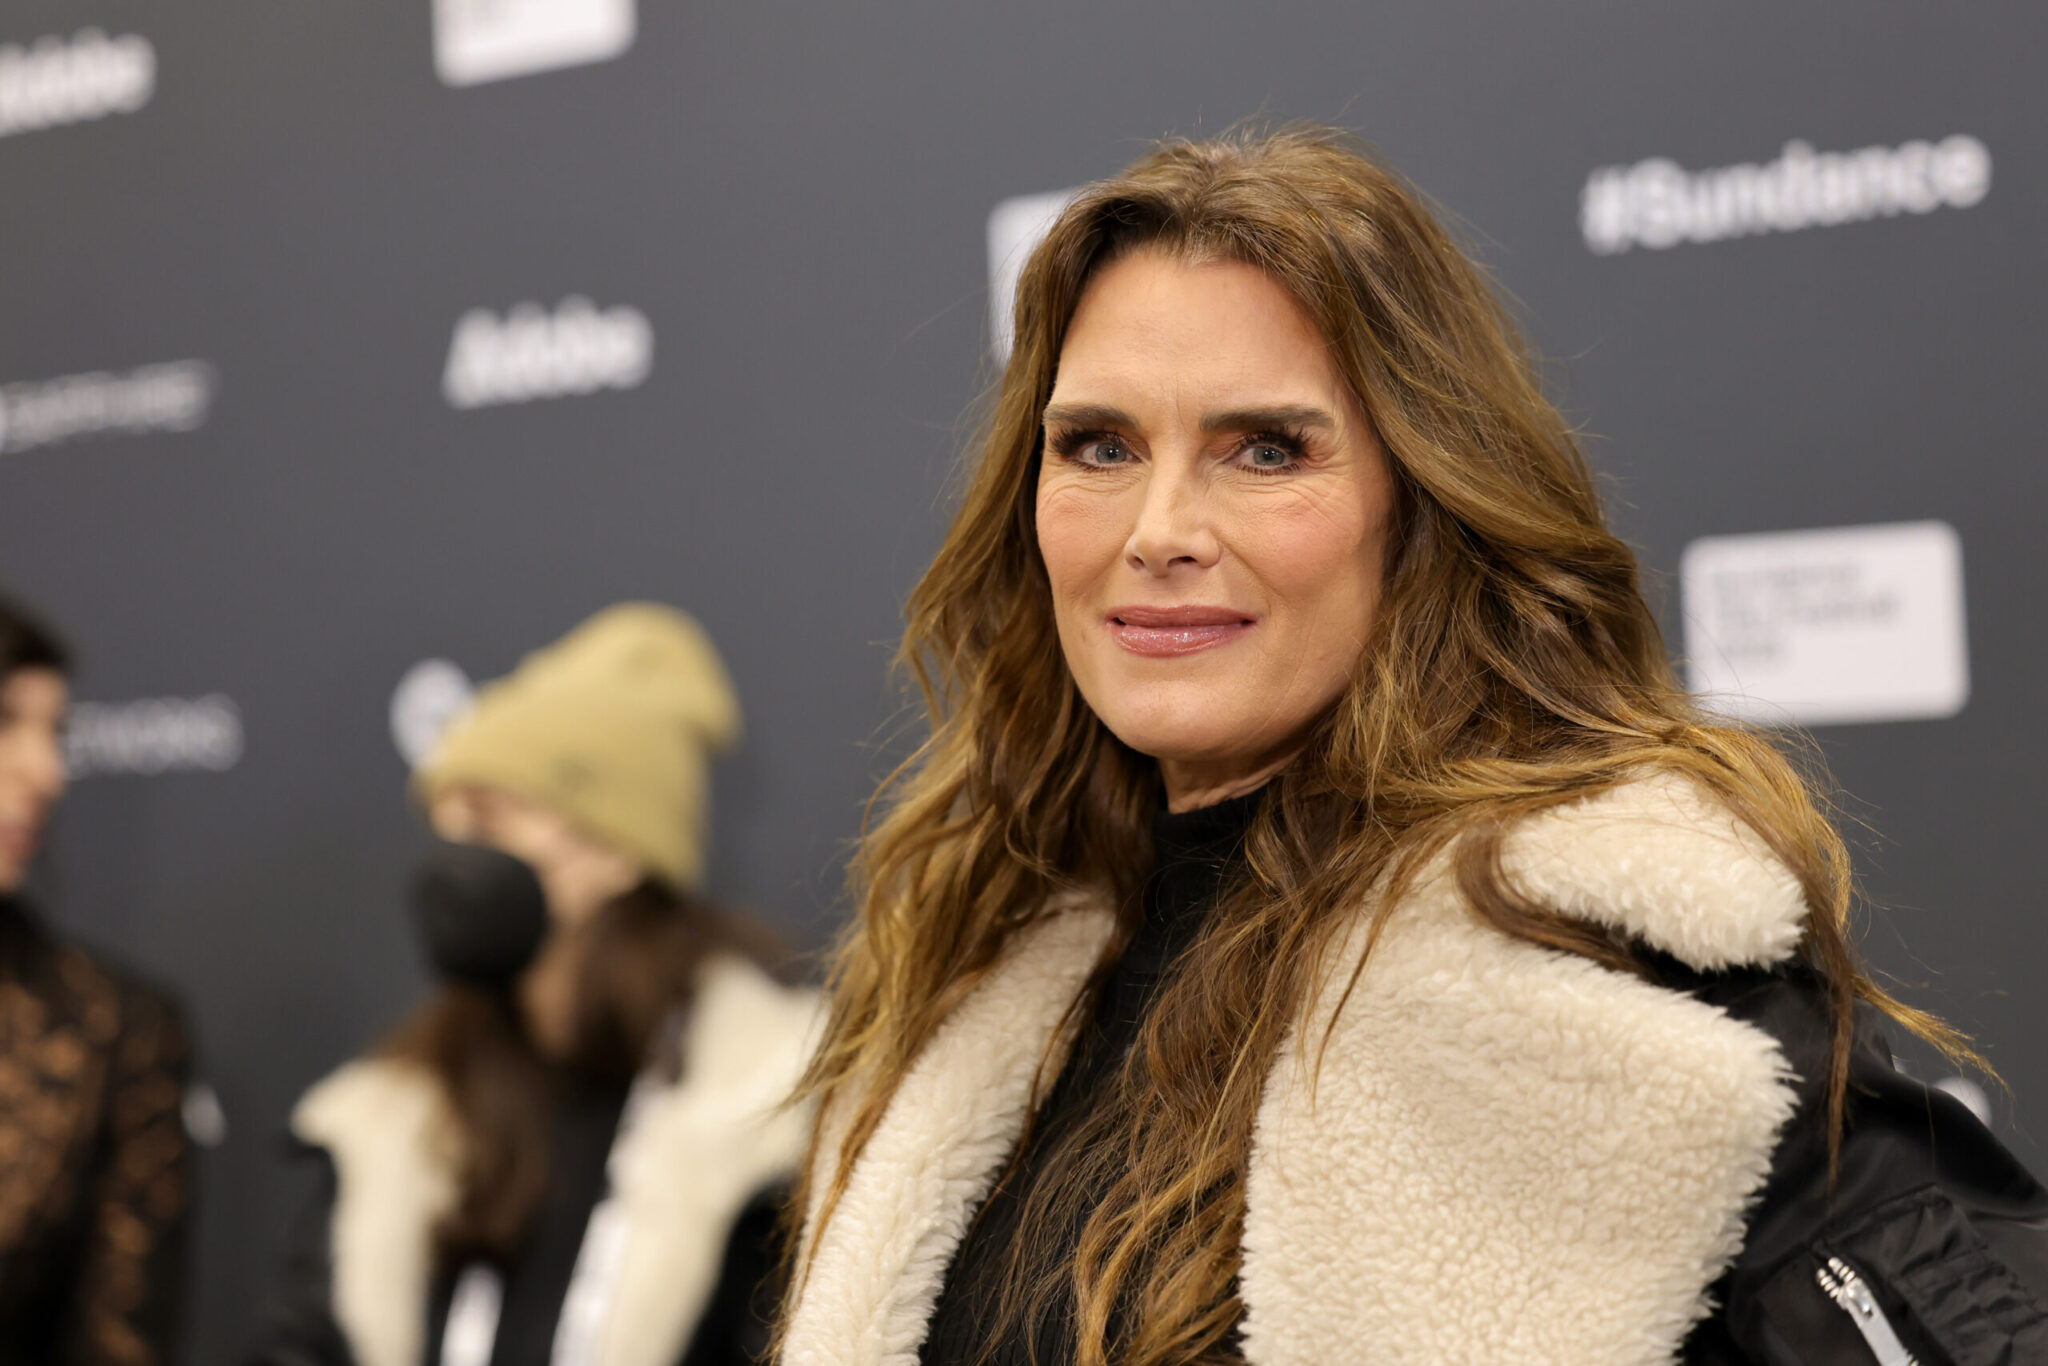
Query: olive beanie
{"points": [[613, 726]]}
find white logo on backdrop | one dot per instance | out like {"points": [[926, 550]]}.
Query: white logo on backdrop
{"points": [[154, 735], [1015, 228], [1817, 627], [531, 353], [57, 80], [1658, 203], [489, 40], [172, 397], [432, 693], [206, 1120]]}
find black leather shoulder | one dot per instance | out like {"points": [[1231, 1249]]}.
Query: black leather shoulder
{"points": [[1946, 1230]]}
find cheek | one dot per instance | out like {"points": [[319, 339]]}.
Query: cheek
{"points": [[1325, 557], [1079, 535], [27, 760]]}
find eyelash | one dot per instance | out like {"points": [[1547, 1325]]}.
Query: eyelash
{"points": [[1067, 445], [1291, 443]]}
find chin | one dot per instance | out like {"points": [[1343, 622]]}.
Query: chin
{"points": [[1175, 727]]}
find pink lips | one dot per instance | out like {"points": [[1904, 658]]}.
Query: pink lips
{"points": [[1164, 632]]}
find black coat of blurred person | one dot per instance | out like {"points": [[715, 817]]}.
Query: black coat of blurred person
{"points": [[95, 1165], [574, 1153]]}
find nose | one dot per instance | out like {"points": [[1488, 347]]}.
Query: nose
{"points": [[1174, 528]]}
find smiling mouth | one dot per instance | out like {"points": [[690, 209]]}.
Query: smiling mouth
{"points": [[1165, 632]]}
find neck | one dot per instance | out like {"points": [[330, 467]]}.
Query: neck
{"points": [[1191, 786]]}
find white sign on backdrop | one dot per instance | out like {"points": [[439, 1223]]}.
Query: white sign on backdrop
{"points": [[534, 352], [173, 396], [490, 40], [1840, 625], [432, 694], [1657, 203], [1015, 227], [56, 80], [152, 735]]}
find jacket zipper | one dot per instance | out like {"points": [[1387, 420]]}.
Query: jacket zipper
{"points": [[1842, 1285]]}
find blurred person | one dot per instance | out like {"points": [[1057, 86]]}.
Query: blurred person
{"points": [[95, 1165], [1318, 927], [573, 1153]]}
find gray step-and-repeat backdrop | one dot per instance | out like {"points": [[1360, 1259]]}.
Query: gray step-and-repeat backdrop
{"points": [[347, 350]]}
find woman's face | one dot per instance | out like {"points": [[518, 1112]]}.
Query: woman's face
{"points": [[32, 703], [1213, 508], [578, 874]]}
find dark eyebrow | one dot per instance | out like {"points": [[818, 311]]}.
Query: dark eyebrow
{"points": [[1269, 419], [1085, 415], [1092, 415]]}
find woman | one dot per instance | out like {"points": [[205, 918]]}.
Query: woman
{"points": [[574, 1152], [1318, 928], [95, 1167]]}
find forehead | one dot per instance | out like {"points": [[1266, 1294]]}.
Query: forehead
{"points": [[1221, 330]]}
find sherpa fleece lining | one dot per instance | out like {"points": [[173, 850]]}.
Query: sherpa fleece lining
{"points": [[1508, 1155]]}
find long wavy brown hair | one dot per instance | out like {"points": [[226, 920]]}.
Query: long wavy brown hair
{"points": [[1514, 665]]}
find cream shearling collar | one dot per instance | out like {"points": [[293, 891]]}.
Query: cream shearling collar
{"points": [[700, 1151], [1509, 1154]]}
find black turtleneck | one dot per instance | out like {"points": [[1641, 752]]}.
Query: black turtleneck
{"points": [[1194, 853]]}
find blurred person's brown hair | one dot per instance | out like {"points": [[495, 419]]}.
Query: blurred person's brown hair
{"points": [[28, 642]]}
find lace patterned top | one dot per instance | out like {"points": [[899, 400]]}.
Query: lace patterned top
{"points": [[95, 1165]]}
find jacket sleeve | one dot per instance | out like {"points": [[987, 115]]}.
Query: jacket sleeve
{"points": [[299, 1326], [127, 1303], [1942, 1226]]}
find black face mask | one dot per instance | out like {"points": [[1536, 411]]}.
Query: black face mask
{"points": [[481, 913]]}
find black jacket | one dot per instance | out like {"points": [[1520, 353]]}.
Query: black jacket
{"points": [[1950, 1233], [1946, 1229], [301, 1329], [1476, 1149], [692, 1177]]}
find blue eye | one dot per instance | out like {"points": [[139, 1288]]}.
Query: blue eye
{"points": [[1107, 451], [1275, 452]]}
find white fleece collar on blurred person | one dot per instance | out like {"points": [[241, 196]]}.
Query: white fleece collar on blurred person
{"points": [[698, 1153], [1510, 1154]]}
